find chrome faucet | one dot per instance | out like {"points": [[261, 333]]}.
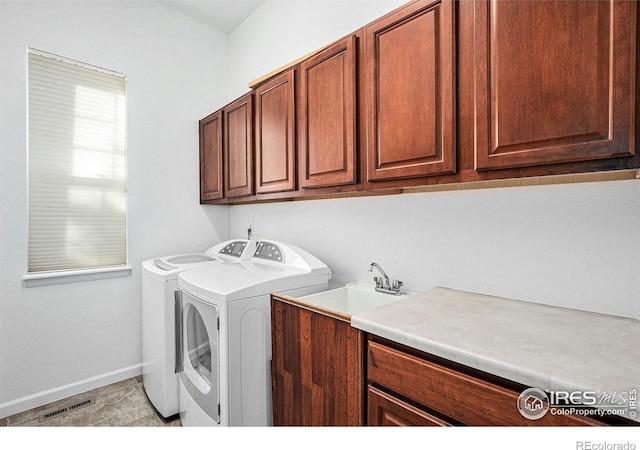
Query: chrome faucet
{"points": [[382, 283]]}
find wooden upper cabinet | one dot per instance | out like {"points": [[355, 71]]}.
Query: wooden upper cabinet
{"points": [[275, 134], [409, 92], [554, 81], [327, 124], [238, 147], [211, 157]]}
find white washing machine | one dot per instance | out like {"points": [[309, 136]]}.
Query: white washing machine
{"points": [[226, 332], [159, 338]]}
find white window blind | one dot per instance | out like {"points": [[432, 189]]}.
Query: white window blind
{"points": [[77, 170]]}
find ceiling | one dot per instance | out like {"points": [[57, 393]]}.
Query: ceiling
{"points": [[225, 15]]}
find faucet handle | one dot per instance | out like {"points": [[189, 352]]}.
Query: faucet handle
{"points": [[397, 284], [378, 281]]}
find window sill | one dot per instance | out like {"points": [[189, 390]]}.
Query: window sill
{"points": [[74, 276]]}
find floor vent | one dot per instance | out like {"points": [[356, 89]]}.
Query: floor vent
{"points": [[66, 409]]}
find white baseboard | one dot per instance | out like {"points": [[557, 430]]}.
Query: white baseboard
{"points": [[51, 395]]}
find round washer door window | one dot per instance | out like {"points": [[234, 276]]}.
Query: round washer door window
{"points": [[199, 348], [200, 355]]}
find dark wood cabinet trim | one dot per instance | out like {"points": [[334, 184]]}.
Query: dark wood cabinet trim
{"points": [[312, 307]]}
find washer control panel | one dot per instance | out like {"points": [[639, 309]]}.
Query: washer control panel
{"points": [[267, 250], [235, 248]]}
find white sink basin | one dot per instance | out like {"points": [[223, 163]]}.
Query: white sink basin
{"points": [[352, 299]]}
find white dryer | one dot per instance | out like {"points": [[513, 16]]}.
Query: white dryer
{"points": [[159, 338], [226, 332]]}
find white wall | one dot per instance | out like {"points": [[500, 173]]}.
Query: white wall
{"points": [[281, 31], [59, 340], [575, 246]]}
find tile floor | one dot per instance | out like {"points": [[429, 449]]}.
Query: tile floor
{"points": [[122, 404]]}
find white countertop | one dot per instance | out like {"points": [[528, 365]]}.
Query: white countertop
{"points": [[537, 345]]}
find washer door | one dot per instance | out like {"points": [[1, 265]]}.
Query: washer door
{"points": [[200, 354]]}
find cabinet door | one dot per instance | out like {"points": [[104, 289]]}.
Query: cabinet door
{"points": [[554, 81], [316, 368], [238, 147], [327, 118], [410, 106], [386, 410], [275, 134], [211, 157], [464, 398]]}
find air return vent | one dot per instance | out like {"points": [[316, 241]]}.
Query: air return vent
{"points": [[65, 409]]}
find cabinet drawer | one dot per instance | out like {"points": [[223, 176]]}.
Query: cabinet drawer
{"points": [[462, 397], [386, 410]]}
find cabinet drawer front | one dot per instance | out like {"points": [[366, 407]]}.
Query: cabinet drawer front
{"points": [[386, 410], [462, 397]]}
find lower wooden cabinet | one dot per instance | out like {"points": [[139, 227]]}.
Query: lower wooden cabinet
{"points": [[387, 410], [316, 367], [325, 372], [410, 388]]}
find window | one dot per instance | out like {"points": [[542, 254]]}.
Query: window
{"points": [[77, 167]]}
